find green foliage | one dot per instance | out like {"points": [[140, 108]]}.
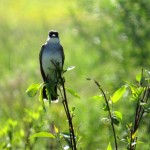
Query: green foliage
{"points": [[118, 94], [140, 93], [135, 26], [118, 114], [109, 147], [72, 92], [33, 89], [42, 134]]}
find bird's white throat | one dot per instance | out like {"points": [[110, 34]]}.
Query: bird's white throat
{"points": [[53, 40]]}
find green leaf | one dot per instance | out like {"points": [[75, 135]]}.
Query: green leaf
{"points": [[136, 91], [109, 147], [135, 134], [72, 92], [32, 89], [43, 134], [41, 98], [56, 129], [105, 108], [118, 114], [97, 97], [118, 94], [146, 107], [139, 142], [129, 126], [138, 77], [12, 122], [143, 81]]}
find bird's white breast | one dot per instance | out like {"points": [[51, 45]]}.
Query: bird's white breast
{"points": [[51, 54]]}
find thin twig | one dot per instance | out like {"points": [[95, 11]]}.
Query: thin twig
{"points": [[109, 111], [68, 116], [140, 109], [131, 131], [65, 104], [139, 114]]}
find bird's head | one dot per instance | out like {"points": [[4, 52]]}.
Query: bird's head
{"points": [[53, 37], [53, 34]]}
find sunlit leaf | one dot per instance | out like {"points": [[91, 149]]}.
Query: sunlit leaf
{"points": [[56, 129], [97, 97], [129, 126], [146, 107], [128, 139], [136, 91], [118, 114], [138, 77], [32, 89], [109, 147], [72, 92], [118, 94], [43, 134], [12, 122], [133, 89], [144, 80], [135, 134]]}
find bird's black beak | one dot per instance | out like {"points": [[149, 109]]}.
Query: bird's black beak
{"points": [[53, 35]]}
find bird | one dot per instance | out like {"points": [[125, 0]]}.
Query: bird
{"points": [[51, 54]]}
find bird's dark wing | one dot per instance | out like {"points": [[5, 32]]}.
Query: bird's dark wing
{"points": [[40, 59], [63, 55]]}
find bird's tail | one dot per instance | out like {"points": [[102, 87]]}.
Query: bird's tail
{"points": [[44, 93], [54, 96]]}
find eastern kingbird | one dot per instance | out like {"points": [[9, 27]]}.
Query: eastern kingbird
{"points": [[51, 54]]}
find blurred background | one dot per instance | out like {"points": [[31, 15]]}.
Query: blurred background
{"points": [[104, 39]]}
